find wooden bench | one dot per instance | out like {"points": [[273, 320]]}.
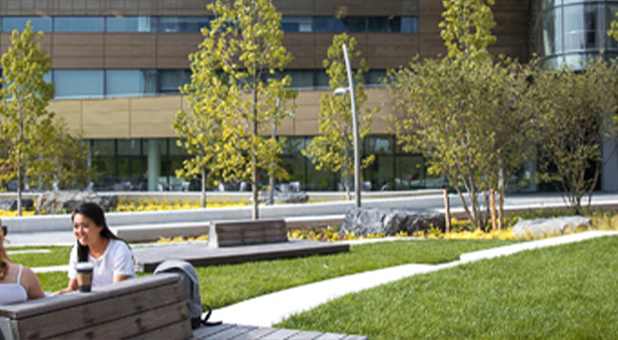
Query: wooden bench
{"points": [[144, 308], [246, 232]]}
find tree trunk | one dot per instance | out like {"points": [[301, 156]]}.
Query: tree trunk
{"points": [[492, 200], [447, 212], [203, 198]]}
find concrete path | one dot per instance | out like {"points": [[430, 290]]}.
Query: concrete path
{"points": [[270, 309]]}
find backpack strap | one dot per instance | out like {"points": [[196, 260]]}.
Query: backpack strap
{"points": [[205, 321]]}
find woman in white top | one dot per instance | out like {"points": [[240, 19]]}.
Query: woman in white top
{"points": [[111, 256], [17, 283]]}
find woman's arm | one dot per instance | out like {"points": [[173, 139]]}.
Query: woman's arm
{"points": [[71, 288], [32, 284], [118, 278]]}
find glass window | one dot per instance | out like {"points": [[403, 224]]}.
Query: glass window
{"points": [[129, 147], [130, 24], [182, 24], [78, 83], [104, 147], [375, 77], [384, 24], [297, 24], [329, 25], [574, 32], [610, 13], [355, 24], [19, 23], [78, 24], [130, 82], [171, 80], [409, 25], [551, 39]]}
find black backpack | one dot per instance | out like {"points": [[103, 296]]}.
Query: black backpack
{"points": [[191, 285]]}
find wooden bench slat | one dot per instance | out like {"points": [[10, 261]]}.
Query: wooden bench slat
{"points": [[231, 333], [42, 306], [107, 309], [204, 332], [168, 332], [258, 333], [304, 335], [175, 315]]}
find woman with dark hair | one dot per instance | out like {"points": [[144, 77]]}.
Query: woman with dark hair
{"points": [[111, 256], [17, 283]]}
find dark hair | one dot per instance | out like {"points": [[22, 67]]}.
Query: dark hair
{"points": [[96, 214]]}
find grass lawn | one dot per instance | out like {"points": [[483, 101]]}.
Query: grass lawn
{"points": [[225, 285], [565, 292], [56, 256]]}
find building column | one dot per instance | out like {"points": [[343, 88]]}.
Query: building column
{"points": [[609, 172], [154, 164]]}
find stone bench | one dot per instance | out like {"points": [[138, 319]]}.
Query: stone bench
{"points": [[246, 232], [152, 307]]}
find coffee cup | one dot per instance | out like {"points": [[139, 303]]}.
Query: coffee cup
{"points": [[84, 276]]}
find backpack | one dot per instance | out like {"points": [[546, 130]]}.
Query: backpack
{"points": [[191, 285]]}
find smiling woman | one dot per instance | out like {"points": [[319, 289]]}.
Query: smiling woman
{"points": [[110, 255]]}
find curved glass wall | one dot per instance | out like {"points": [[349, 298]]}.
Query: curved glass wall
{"points": [[572, 32]]}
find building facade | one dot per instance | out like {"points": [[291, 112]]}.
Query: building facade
{"points": [[117, 66]]}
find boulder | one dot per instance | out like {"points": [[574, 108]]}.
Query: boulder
{"points": [[549, 226], [288, 197], [390, 221], [11, 204], [53, 202]]}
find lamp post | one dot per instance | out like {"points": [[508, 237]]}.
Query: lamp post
{"points": [[340, 91]]}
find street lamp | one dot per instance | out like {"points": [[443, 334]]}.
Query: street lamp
{"points": [[340, 91]]}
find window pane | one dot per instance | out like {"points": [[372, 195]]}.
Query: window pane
{"points": [[171, 80], [78, 24], [355, 24], [129, 147], [130, 82], [574, 32], [551, 39], [78, 83], [297, 24], [182, 24], [610, 14], [130, 24], [19, 23], [409, 25]]}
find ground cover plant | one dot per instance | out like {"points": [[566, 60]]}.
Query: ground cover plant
{"points": [[563, 292], [224, 285]]}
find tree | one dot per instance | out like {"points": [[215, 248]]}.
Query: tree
{"points": [[66, 159], [24, 96], [245, 41], [575, 114], [200, 131], [460, 110], [333, 148]]}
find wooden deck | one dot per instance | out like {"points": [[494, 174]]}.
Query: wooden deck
{"points": [[200, 255], [239, 332]]}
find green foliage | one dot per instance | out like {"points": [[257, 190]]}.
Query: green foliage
{"points": [[466, 29], [575, 111], [565, 292], [235, 98], [469, 120], [24, 96], [333, 149]]}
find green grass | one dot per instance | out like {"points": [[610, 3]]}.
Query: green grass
{"points": [[57, 256], [565, 292], [224, 285]]}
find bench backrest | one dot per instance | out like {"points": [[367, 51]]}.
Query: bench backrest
{"points": [[246, 232], [148, 307]]}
